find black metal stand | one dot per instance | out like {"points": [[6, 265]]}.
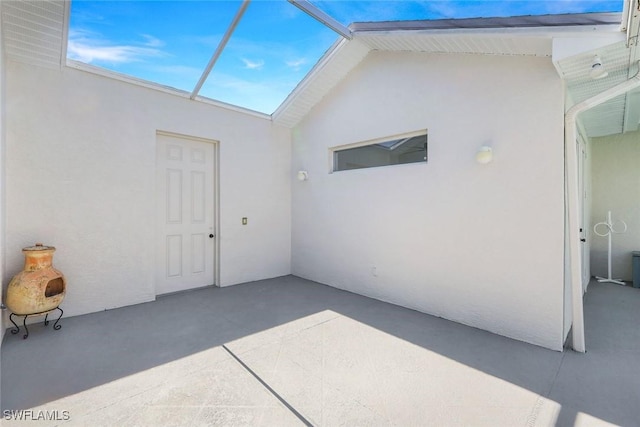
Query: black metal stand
{"points": [[24, 321]]}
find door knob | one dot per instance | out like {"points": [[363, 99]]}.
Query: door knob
{"points": [[211, 236]]}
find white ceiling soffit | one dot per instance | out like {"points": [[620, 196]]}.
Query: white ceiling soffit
{"points": [[458, 43], [34, 32], [607, 118]]}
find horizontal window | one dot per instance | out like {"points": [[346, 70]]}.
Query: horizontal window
{"points": [[385, 152]]}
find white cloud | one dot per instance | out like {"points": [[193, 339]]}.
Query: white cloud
{"points": [[211, 41], [259, 96], [114, 54], [152, 41], [295, 64], [90, 48], [253, 65]]}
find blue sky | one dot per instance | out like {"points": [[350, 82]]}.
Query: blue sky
{"points": [[272, 49]]}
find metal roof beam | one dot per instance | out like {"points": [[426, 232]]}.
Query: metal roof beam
{"points": [[317, 14], [220, 48], [633, 23]]}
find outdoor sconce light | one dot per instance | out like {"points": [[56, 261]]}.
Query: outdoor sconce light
{"points": [[484, 155], [303, 175], [597, 70]]}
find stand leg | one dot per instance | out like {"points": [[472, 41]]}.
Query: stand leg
{"points": [[24, 323], [610, 274], [17, 328], [607, 280], [55, 325]]}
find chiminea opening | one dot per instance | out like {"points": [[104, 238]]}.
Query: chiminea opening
{"points": [[54, 287]]}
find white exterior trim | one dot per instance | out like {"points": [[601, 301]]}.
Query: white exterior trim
{"points": [[166, 89], [65, 33]]}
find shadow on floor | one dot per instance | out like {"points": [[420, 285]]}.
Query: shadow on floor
{"points": [[99, 348]]}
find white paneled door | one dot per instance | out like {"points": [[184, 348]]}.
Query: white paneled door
{"points": [[185, 241], [583, 205]]}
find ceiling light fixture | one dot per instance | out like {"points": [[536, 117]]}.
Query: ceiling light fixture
{"points": [[597, 70]]}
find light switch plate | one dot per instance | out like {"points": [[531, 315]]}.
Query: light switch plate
{"points": [[244, 220]]}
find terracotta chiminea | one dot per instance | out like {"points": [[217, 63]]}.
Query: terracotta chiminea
{"points": [[38, 289]]}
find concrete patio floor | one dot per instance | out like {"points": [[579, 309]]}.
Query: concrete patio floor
{"points": [[288, 351]]}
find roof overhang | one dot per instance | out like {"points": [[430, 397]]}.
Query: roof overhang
{"points": [[541, 22], [618, 53], [515, 36]]}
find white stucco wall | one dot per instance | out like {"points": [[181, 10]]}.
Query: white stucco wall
{"points": [[478, 244], [616, 187], [81, 176]]}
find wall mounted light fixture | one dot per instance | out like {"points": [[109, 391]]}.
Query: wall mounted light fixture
{"points": [[303, 175], [597, 70], [484, 155]]}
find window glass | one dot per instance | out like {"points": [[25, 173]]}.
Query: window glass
{"points": [[396, 151]]}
